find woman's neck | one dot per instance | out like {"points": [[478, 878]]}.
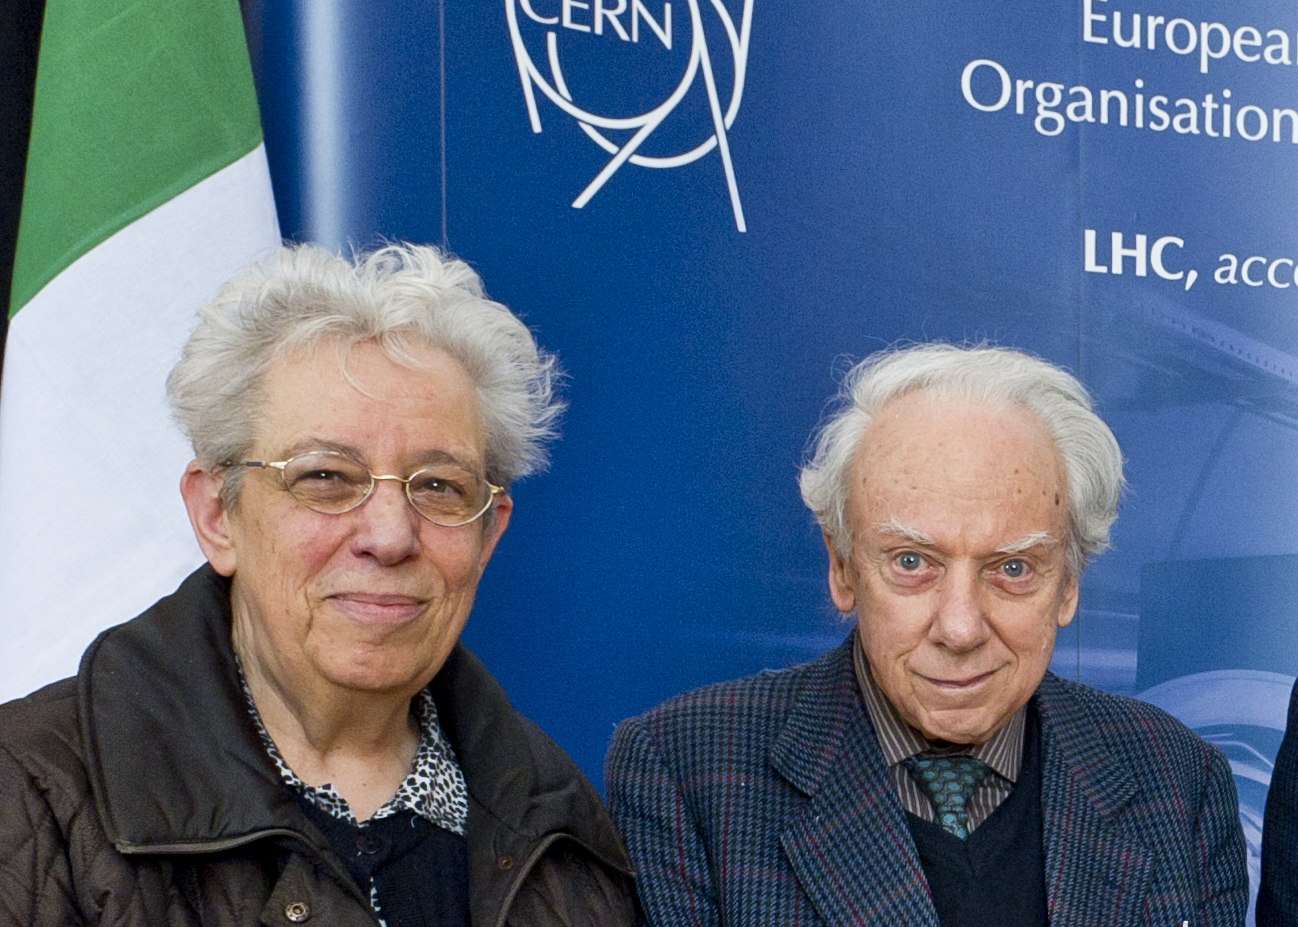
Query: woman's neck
{"points": [[362, 743]]}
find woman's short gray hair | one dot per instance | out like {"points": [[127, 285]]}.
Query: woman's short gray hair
{"points": [[403, 297], [1088, 451]]}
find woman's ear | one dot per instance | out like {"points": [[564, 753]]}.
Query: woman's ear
{"points": [[201, 490]]}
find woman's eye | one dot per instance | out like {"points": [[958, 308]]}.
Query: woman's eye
{"points": [[322, 476], [436, 486]]}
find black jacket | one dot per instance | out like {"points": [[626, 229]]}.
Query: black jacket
{"points": [[139, 793], [1277, 897]]}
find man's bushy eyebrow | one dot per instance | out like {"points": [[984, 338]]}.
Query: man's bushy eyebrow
{"points": [[1036, 539], [894, 527], [898, 529]]}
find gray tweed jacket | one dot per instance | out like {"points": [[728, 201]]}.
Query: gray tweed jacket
{"points": [[766, 801]]}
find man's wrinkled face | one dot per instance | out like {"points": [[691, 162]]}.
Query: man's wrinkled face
{"points": [[958, 511]]}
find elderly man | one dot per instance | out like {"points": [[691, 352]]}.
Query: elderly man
{"points": [[930, 770], [295, 735]]}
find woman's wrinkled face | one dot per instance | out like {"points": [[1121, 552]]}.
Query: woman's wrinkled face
{"points": [[375, 598]]}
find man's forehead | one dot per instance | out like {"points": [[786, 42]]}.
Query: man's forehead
{"points": [[955, 437], [951, 472]]}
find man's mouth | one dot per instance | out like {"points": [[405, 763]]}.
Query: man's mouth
{"points": [[959, 683]]}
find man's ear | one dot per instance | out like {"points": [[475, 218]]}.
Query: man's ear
{"points": [[842, 582], [201, 490], [1068, 607]]}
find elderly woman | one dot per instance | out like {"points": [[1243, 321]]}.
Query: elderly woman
{"points": [[295, 735]]}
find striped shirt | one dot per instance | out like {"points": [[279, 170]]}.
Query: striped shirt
{"points": [[898, 740]]}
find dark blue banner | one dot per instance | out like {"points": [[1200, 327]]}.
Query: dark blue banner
{"points": [[709, 209]]}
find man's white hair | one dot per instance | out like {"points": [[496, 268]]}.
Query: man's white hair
{"points": [[1088, 452]]}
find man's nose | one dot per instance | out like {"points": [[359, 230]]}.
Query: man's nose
{"points": [[960, 621]]}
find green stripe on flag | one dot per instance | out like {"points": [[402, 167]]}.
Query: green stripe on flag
{"points": [[136, 101]]}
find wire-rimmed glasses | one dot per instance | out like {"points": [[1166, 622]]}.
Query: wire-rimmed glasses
{"points": [[332, 483]]}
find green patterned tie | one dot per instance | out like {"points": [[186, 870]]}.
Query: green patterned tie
{"points": [[948, 781]]}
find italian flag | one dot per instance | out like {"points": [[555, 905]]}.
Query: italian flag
{"points": [[146, 186]]}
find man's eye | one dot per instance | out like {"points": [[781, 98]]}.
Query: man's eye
{"points": [[910, 561], [1015, 569]]}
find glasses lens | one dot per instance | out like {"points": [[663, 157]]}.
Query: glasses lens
{"points": [[329, 483], [447, 495]]}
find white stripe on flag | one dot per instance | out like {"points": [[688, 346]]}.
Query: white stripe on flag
{"points": [[92, 527]]}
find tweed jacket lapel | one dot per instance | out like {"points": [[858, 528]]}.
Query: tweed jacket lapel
{"points": [[849, 843], [1097, 869]]}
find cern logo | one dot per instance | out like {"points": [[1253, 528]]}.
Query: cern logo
{"points": [[622, 137]]}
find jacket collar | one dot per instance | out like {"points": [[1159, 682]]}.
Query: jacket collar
{"points": [[850, 844], [1078, 746], [176, 764], [828, 716], [173, 756], [524, 791], [1098, 867]]}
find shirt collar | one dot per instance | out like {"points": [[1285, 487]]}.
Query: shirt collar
{"points": [[898, 740], [434, 789]]}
